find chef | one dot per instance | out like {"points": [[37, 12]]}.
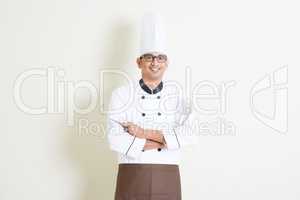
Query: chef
{"points": [[149, 123]]}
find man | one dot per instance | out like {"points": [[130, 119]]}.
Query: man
{"points": [[149, 124]]}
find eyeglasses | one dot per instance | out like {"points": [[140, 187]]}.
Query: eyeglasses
{"points": [[161, 58]]}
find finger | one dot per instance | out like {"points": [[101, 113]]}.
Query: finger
{"points": [[127, 124]]}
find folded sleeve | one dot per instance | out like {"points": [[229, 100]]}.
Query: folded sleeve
{"points": [[183, 133], [119, 140]]}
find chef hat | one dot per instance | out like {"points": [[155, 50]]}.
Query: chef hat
{"points": [[153, 38]]}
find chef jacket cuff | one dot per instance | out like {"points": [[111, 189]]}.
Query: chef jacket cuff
{"points": [[171, 139], [136, 147]]}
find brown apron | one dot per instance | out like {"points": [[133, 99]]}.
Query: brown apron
{"points": [[148, 182]]}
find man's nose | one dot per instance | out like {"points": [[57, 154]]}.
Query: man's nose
{"points": [[154, 61]]}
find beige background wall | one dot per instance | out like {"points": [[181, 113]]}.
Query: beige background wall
{"points": [[45, 156]]}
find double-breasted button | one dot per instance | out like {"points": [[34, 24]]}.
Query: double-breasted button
{"points": [[158, 97], [159, 149], [143, 114], [159, 114], [143, 97]]}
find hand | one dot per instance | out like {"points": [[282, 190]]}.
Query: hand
{"points": [[150, 144], [134, 129]]}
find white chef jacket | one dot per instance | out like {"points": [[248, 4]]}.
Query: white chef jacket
{"points": [[160, 109]]}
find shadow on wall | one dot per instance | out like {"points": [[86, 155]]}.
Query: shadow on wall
{"points": [[95, 164]]}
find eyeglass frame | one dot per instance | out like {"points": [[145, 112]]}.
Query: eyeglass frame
{"points": [[153, 57]]}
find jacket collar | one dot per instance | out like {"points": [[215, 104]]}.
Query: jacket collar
{"points": [[148, 90]]}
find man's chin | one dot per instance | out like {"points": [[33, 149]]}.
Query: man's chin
{"points": [[155, 76]]}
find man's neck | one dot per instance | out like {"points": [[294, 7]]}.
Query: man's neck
{"points": [[151, 83]]}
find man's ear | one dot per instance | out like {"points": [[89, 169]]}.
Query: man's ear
{"points": [[138, 62]]}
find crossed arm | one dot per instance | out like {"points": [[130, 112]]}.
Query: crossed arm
{"points": [[135, 138], [154, 138]]}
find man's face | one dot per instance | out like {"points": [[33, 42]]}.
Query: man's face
{"points": [[153, 68]]}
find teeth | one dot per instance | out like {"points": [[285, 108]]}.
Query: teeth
{"points": [[154, 69]]}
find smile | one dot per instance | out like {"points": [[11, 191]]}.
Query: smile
{"points": [[154, 69]]}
